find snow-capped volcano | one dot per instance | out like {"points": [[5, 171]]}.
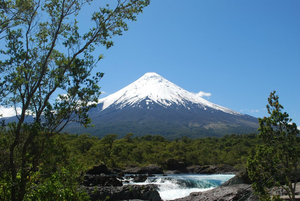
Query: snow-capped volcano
{"points": [[154, 105], [156, 89]]}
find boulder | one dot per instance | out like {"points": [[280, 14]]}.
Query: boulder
{"points": [[99, 169], [128, 192], [228, 193], [212, 169], [140, 178], [151, 169], [175, 165], [117, 171], [239, 178], [101, 180]]}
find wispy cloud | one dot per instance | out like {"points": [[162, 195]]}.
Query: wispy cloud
{"points": [[250, 111], [203, 94]]}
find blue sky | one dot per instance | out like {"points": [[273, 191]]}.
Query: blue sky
{"points": [[239, 51], [236, 50]]}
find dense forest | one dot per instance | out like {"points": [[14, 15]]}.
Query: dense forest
{"points": [[154, 149], [66, 158]]}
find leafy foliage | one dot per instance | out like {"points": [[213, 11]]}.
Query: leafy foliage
{"points": [[277, 158], [45, 53], [56, 177]]}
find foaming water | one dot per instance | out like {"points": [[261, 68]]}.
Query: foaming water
{"points": [[180, 185]]}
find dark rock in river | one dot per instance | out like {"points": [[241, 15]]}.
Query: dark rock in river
{"points": [[140, 178], [128, 192], [151, 169]]}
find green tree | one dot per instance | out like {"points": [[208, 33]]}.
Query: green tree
{"points": [[277, 158], [45, 52]]}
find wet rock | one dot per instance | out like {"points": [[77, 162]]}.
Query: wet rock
{"points": [[140, 178]]}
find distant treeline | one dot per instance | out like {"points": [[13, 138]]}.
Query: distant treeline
{"points": [[170, 131], [154, 149]]}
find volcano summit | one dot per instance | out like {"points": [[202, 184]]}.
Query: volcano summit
{"points": [[154, 105]]}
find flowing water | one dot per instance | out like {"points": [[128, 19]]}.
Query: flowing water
{"points": [[180, 185]]}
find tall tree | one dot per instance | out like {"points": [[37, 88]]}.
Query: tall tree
{"points": [[45, 52], [277, 159]]}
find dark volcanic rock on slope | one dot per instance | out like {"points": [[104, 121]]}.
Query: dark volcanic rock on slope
{"points": [[169, 122]]}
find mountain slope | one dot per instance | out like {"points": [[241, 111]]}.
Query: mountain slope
{"points": [[154, 105], [156, 89]]}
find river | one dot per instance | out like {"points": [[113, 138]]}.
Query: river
{"points": [[180, 185]]}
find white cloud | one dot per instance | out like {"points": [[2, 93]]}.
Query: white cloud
{"points": [[204, 94], [8, 112]]}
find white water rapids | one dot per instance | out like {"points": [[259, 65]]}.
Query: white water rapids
{"points": [[180, 185]]}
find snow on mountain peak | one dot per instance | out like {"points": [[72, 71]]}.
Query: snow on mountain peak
{"points": [[153, 87], [151, 74]]}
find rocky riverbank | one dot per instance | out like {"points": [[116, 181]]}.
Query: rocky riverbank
{"points": [[129, 192], [102, 183], [237, 188]]}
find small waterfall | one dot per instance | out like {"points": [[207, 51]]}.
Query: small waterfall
{"points": [[180, 185]]}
